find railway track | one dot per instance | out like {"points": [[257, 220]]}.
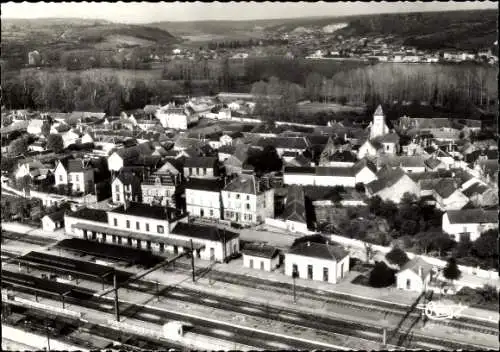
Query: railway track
{"points": [[36, 240], [37, 321], [323, 325], [337, 299]]}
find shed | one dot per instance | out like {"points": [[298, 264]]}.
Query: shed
{"points": [[260, 256], [54, 221]]}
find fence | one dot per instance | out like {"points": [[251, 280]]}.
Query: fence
{"points": [[484, 274]]}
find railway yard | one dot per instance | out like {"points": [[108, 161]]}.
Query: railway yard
{"points": [[79, 277]]}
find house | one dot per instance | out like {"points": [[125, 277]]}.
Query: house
{"points": [[78, 173], [469, 223], [201, 167], [390, 143], [294, 214], [234, 163], [415, 275], [35, 127], [391, 185], [409, 164], [229, 138], [69, 138], [488, 170], [297, 145], [38, 146], [434, 164], [54, 221], [369, 149], [162, 187], [317, 261], [225, 151], [299, 161], [128, 156], [246, 201], [126, 187], [177, 118], [260, 256], [364, 171], [378, 127], [447, 194], [480, 194], [27, 168], [203, 198]]}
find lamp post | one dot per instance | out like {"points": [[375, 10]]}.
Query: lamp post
{"points": [[295, 275]]}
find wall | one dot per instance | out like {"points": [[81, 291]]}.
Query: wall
{"points": [[39, 342], [268, 266], [275, 223], [318, 265], [69, 221], [245, 119], [153, 223], [115, 162]]}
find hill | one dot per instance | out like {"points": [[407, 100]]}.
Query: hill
{"points": [[54, 36]]}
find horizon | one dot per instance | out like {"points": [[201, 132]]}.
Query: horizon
{"points": [[144, 13]]}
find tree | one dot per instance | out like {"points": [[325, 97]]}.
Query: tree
{"points": [[18, 146], [359, 187], [486, 246], [266, 160], [381, 276], [451, 271], [397, 256], [46, 128], [55, 143]]}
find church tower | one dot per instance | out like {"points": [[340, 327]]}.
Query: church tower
{"points": [[378, 126]]}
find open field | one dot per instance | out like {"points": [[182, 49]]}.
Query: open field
{"points": [[313, 108]]}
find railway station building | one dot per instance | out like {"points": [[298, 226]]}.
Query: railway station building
{"points": [[153, 228]]}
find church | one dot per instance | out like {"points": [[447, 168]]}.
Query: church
{"points": [[378, 126]]}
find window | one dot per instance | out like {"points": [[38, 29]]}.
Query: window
{"points": [[113, 238], [341, 270], [162, 247], [205, 172], [117, 197], [251, 263], [248, 197], [77, 178], [117, 188], [137, 226], [262, 265], [212, 254], [148, 245], [60, 178], [248, 206], [408, 284], [325, 274], [237, 196], [211, 212], [387, 147], [69, 178], [310, 272], [249, 217], [115, 221], [129, 241], [295, 269], [128, 224], [160, 229], [147, 227]]}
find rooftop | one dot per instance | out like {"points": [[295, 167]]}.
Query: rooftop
{"points": [[210, 233], [260, 250], [319, 250], [147, 211], [472, 216], [90, 214]]}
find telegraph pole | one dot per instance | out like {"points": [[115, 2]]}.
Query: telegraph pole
{"points": [[294, 276], [192, 259], [117, 310]]}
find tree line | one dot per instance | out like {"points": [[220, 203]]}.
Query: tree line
{"points": [[237, 44]]}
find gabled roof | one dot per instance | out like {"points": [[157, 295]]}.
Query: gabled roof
{"points": [[475, 188], [334, 171], [379, 111], [386, 179], [210, 233], [284, 142], [226, 149], [77, 165], [246, 184], [319, 250], [56, 216], [128, 178], [417, 263], [360, 165], [472, 216], [432, 163], [295, 209], [446, 187], [260, 250], [389, 138]]}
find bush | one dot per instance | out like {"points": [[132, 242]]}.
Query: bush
{"points": [[451, 270], [397, 256], [382, 276]]}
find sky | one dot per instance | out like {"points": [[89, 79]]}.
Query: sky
{"points": [[137, 12]]}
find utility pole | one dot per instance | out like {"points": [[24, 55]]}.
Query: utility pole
{"points": [[117, 311], [192, 259], [294, 276], [157, 291], [48, 337]]}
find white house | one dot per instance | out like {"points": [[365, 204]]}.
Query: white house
{"points": [[177, 118], [126, 187], [35, 127], [469, 223], [245, 201], [25, 169], [368, 149], [203, 198], [392, 185], [415, 275], [70, 138], [77, 172], [54, 221], [261, 257], [317, 261]]}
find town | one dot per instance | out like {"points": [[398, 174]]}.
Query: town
{"points": [[215, 221]]}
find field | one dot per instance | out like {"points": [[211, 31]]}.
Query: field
{"points": [[113, 41], [313, 108]]}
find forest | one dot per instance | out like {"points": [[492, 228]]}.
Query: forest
{"points": [[448, 86]]}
